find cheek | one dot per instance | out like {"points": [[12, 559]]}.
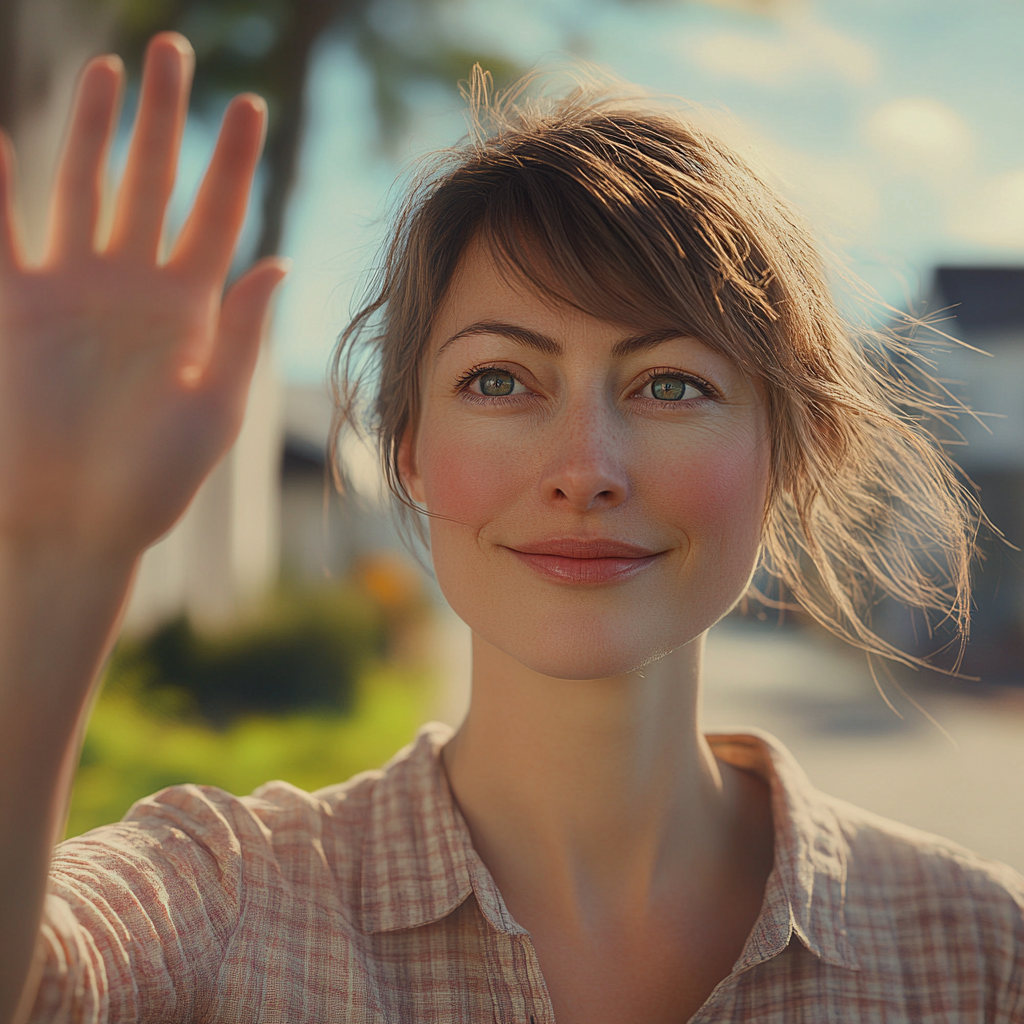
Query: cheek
{"points": [[467, 475], [715, 495]]}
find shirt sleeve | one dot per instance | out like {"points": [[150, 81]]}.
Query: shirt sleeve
{"points": [[138, 914]]}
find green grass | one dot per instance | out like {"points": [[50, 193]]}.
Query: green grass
{"points": [[140, 740]]}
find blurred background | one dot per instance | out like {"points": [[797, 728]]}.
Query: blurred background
{"points": [[280, 631]]}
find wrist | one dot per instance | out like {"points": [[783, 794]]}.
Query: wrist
{"points": [[40, 557], [60, 606]]}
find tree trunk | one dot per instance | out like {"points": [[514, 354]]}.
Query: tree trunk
{"points": [[290, 68], [8, 63]]}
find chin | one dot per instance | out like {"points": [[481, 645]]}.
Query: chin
{"points": [[590, 632], [588, 646]]}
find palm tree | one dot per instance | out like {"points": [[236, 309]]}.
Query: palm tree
{"points": [[267, 45]]}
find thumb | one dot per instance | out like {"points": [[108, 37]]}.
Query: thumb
{"points": [[242, 318]]}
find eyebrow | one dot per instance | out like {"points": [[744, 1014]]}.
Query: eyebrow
{"points": [[544, 343]]}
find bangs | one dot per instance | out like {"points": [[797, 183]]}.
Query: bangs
{"points": [[631, 235]]}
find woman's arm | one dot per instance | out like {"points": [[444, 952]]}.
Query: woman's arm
{"points": [[123, 380]]}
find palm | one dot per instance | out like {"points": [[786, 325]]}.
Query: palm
{"points": [[122, 380]]}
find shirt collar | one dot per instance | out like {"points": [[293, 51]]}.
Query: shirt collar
{"points": [[418, 861], [806, 891], [416, 848]]}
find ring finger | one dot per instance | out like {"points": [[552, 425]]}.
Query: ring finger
{"points": [[76, 201]]}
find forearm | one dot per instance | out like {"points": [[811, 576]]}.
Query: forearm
{"points": [[124, 380], [59, 611]]}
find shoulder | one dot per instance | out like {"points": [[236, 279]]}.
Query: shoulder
{"points": [[200, 895], [886, 853], [276, 834], [918, 920], [919, 897], [886, 864]]}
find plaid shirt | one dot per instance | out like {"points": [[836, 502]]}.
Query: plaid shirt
{"points": [[366, 902]]}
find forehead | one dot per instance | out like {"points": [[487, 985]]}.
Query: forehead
{"points": [[488, 298], [484, 281], [487, 288]]}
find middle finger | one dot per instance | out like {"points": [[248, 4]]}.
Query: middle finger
{"points": [[153, 156]]}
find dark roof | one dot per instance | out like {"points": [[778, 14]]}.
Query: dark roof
{"points": [[982, 298], [302, 457]]}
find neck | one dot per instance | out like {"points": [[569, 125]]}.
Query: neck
{"points": [[582, 787]]}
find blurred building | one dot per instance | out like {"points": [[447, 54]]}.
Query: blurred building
{"points": [[269, 511], [223, 555], [985, 309], [323, 532]]}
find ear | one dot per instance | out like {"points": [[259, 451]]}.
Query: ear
{"points": [[408, 471]]}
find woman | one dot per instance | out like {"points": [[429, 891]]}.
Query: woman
{"points": [[610, 375]]}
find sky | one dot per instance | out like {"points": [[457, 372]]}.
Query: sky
{"points": [[896, 126]]}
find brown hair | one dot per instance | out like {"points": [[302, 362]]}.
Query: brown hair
{"points": [[638, 217]]}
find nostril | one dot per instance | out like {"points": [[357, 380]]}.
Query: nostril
{"points": [[591, 487], [608, 495]]}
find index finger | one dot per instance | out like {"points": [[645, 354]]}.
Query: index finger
{"points": [[207, 241]]}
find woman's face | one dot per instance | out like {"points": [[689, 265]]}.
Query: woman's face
{"points": [[597, 495]]}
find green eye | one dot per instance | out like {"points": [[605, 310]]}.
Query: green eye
{"points": [[496, 383], [668, 389]]}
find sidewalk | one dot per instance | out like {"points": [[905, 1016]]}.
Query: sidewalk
{"points": [[819, 699]]}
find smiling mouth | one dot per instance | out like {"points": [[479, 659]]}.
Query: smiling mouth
{"points": [[586, 561]]}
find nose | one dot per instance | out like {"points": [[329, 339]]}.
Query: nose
{"points": [[586, 471]]}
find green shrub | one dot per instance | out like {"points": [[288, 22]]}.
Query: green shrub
{"points": [[308, 691], [139, 741], [304, 652]]}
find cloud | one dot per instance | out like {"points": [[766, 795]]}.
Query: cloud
{"points": [[919, 134], [993, 215], [798, 49], [837, 194]]}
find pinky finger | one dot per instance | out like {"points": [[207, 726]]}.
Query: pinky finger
{"points": [[10, 235]]}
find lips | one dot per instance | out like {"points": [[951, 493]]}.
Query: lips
{"points": [[576, 560]]}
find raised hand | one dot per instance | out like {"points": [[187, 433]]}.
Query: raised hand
{"points": [[123, 378]]}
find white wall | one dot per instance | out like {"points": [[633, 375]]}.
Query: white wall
{"points": [[223, 554]]}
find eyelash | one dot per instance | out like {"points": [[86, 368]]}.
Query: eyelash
{"points": [[462, 382], [706, 389]]}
